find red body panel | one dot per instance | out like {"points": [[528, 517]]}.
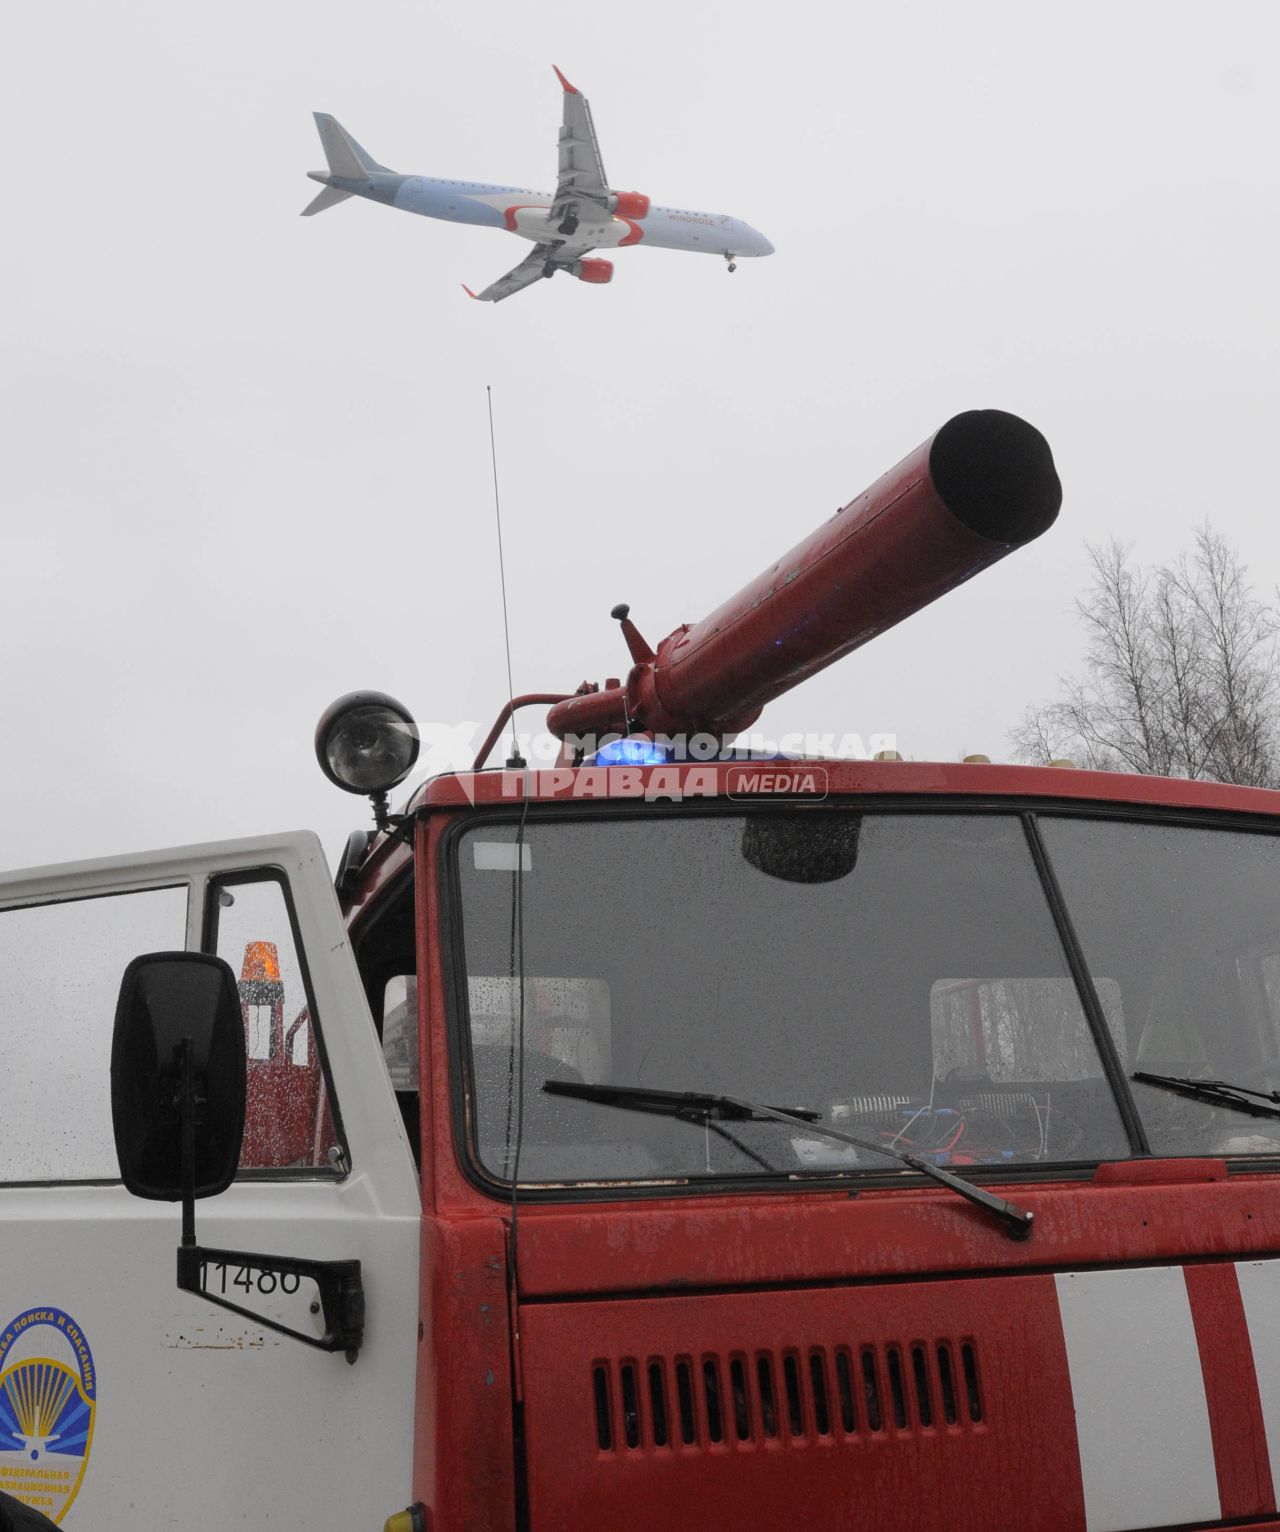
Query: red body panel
{"points": [[1231, 1387], [287, 1113], [864, 779], [464, 1462], [884, 1235], [810, 1406]]}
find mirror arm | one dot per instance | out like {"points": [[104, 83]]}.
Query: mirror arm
{"points": [[187, 1109], [340, 1284]]}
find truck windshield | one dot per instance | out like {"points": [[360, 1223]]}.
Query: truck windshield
{"points": [[899, 973], [1185, 922]]}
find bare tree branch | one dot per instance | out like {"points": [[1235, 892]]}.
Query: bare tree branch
{"points": [[1180, 672]]}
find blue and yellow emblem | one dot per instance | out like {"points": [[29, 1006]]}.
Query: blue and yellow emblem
{"points": [[48, 1396]]}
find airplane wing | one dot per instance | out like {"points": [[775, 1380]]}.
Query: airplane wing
{"points": [[524, 275], [582, 190], [581, 205]]}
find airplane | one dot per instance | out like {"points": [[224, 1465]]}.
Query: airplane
{"points": [[580, 216]]}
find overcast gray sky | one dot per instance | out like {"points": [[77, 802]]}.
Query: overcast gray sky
{"points": [[245, 464]]}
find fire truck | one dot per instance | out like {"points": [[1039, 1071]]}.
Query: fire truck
{"points": [[664, 1136]]}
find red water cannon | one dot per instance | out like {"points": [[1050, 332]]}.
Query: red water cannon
{"points": [[980, 487]]}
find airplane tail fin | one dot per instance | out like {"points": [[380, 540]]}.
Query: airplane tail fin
{"points": [[329, 197], [346, 157]]}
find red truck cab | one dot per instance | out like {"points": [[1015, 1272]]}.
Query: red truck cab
{"points": [[640, 1318]]}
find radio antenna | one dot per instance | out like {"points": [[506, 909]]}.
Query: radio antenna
{"points": [[516, 760], [515, 1076]]}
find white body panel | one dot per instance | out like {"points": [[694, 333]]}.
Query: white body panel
{"points": [[204, 1419], [1142, 1420], [1260, 1294]]}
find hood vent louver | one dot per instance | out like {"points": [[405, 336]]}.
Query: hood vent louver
{"points": [[716, 1402]]}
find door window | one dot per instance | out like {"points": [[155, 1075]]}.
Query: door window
{"points": [[60, 971], [400, 1031], [289, 1123]]}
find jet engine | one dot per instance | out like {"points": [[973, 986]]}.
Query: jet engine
{"points": [[634, 205], [594, 270]]}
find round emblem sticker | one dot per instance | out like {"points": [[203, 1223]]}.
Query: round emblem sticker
{"points": [[48, 1389]]}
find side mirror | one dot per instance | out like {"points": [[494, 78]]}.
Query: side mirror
{"points": [[178, 1096], [178, 1073]]}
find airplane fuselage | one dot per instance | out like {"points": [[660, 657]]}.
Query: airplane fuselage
{"points": [[524, 211]]}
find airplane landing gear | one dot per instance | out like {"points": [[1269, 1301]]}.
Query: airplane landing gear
{"points": [[731, 259]]}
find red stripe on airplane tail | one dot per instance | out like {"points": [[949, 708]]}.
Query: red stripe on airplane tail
{"points": [[1231, 1391]]}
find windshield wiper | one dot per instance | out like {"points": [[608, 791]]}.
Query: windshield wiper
{"points": [[1215, 1092], [698, 1106]]}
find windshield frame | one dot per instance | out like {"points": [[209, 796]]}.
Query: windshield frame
{"points": [[1026, 810]]}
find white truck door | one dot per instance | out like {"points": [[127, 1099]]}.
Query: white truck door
{"points": [[126, 1403]]}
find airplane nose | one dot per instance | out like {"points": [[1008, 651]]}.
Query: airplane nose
{"points": [[766, 246]]}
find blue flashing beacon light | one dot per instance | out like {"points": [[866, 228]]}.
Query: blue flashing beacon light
{"points": [[632, 752]]}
